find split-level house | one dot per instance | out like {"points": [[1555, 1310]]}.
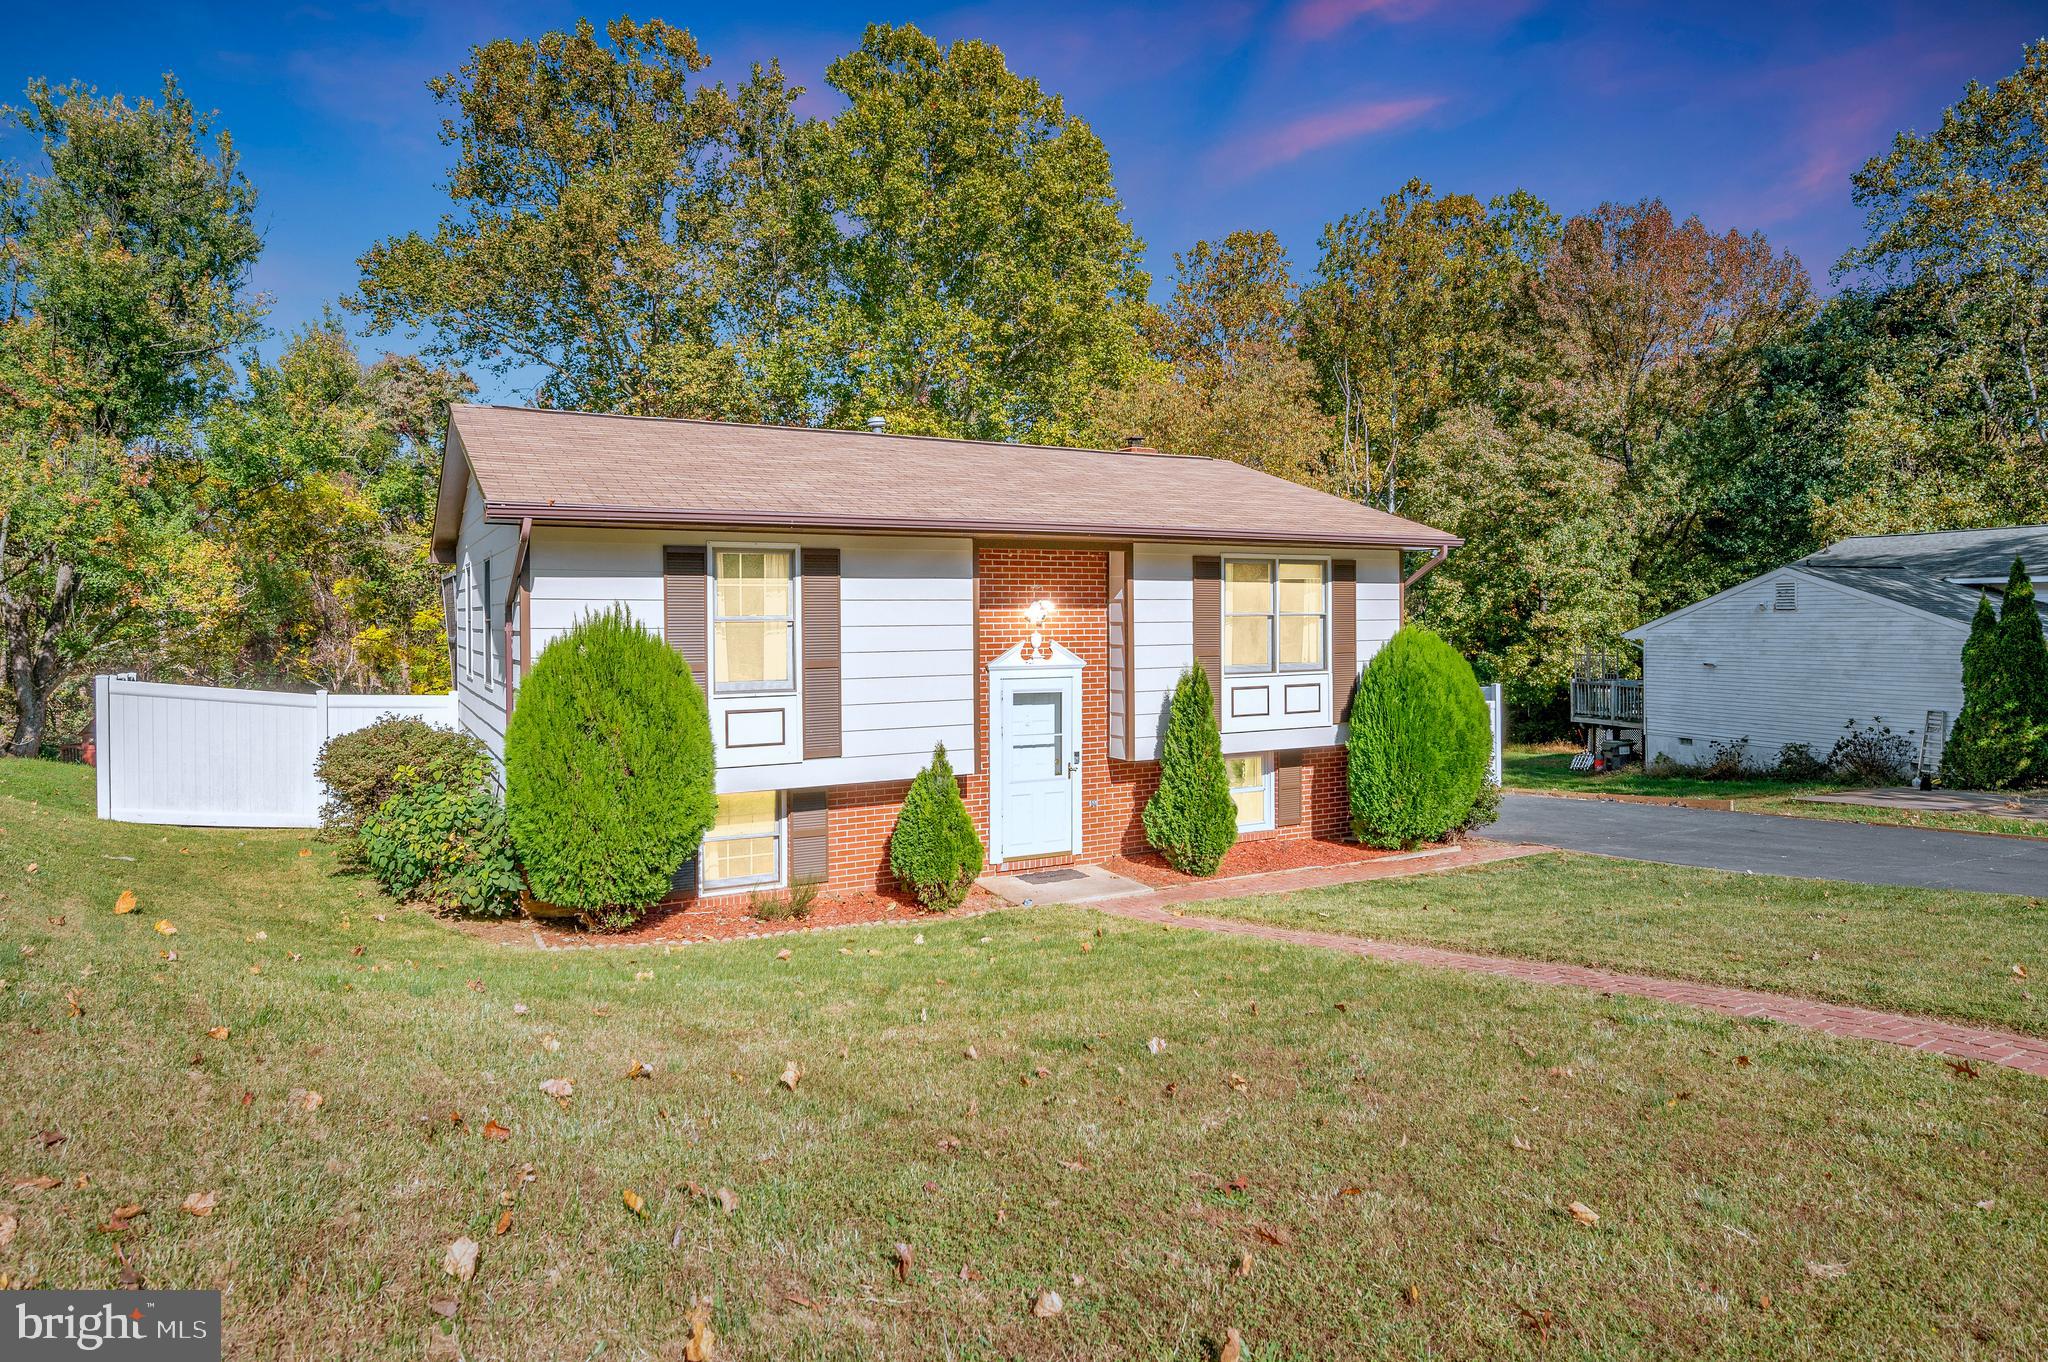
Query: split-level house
{"points": [[849, 600]]}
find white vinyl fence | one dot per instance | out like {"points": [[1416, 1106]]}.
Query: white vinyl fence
{"points": [[1498, 713], [209, 756]]}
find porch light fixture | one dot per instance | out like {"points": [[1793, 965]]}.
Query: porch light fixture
{"points": [[1036, 614]]}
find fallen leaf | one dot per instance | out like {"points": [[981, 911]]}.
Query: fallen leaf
{"points": [[1238, 1082], [561, 1089], [30, 867], [459, 1261], [1742, 1061], [904, 1259], [1273, 1234], [1047, 1304], [1537, 1321], [1962, 1068], [639, 1068], [726, 1200], [217, 1032], [791, 1075], [1155, 1045], [8, 1225], [782, 954], [41, 1183], [199, 1203], [1584, 1214], [52, 1138], [444, 1306], [1244, 1263], [1233, 1347], [125, 903], [494, 1131], [972, 1053], [697, 1347], [634, 1202], [2020, 971], [520, 1009], [312, 1100], [1827, 1272], [1413, 1294], [129, 1211], [504, 1223], [1520, 1143], [164, 927]]}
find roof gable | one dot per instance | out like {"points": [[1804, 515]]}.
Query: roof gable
{"points": [[580, 468]]}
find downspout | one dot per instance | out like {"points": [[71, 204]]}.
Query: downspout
{"points": [[515, 599], [1429, 564]]}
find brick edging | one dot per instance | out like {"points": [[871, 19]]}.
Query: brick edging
{"points": [[2029, 1054]]}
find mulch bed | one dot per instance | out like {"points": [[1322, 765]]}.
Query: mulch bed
{"points": [[725, 919], [1250, 858]]}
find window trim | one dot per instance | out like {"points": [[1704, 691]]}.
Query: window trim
{"points": [[494, 653], [706, 885], [1273, 615], [1268, 820], [712, 619], [465, 600]]}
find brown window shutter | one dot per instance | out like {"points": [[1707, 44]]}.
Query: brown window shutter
{"points": [[683, 606], [809, 847], [821, 653], [683, 884], [1287, 789], [1209, 624], [1343, 635]]}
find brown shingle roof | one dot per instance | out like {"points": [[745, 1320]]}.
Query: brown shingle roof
{"points": [[579, 468]]}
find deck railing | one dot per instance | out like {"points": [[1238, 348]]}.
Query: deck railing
{"points": [[1616, 701]]}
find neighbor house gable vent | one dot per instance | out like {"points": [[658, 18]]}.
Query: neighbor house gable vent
{"points": [[1788, 596]]}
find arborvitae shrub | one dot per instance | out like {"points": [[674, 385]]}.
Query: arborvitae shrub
{"points": [[1191, 819], [1421, 742], [2001, 737], [935, 849], [608, 770]]}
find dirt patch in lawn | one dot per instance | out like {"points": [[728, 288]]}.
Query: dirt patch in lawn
{"points": [[1250, 858], [731, 917]]}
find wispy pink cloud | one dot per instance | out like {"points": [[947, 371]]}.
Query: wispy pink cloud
{"points": [[1262, 149], [1321, 18]]}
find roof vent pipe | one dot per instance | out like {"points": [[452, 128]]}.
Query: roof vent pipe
{"points": [[877, 424]]}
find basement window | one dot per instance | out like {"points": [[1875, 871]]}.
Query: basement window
{"points": [[745, 845], [1251, 789]]}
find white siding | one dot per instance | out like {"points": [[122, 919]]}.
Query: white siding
{"points": [[906, 642], [1735, 667], [1163, 643], [479, 698]]}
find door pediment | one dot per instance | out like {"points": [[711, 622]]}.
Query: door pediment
{"points": [[1023, 658]]}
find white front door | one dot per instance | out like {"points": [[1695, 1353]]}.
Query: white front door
{"points": [[1040, 763]]}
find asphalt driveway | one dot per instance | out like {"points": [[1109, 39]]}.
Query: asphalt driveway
{"points": [[1768, 844]]}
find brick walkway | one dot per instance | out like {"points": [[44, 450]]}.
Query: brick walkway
{"points": [[1972, 1043]]}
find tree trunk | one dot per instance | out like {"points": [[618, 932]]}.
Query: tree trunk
{"points": [[31, 702]]}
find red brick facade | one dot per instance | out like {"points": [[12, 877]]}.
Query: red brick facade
{"points": [[1113, 793]]}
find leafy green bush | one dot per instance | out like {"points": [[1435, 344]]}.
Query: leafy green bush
{"points": [[1798, 761], [935, 849], [1191, 819], [361, 769], [608, 770], [1421, 742], [445, 842], [2001, 737]]}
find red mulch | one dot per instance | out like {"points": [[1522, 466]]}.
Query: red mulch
{"points": [[1250, 858], [722, 919]]}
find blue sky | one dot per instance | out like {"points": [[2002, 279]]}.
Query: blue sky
{"points": [[1218, 115]]}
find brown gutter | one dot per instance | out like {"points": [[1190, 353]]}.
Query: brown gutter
{"points": [[515, 599], [1429, 565], [545, 513]]}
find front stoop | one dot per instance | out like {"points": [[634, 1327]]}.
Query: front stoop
{"points": [[1063, 884]]}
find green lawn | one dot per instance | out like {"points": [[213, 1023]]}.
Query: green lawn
{"points": [[1547, 770], [1390, 1179], [1926, 951]]}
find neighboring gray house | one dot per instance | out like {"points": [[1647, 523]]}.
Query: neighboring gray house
{"points": [[1869, 630]]}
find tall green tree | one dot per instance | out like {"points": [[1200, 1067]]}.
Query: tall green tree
{"points": [[1228, 379], [2001, 737], [981, 279], [1416, 308], [607, 241], [124, 268], [317, 477], [1963, 209]]}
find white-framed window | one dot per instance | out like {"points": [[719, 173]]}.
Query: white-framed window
{"points": [[466, 605], [753, 620], [744, 846], [493, 647], [1251, 789], [1275, 614]]}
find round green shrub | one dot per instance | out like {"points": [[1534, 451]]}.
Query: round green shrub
{"points": [[1191, 819], [361, 769], [1421, 742], [445, 842], [935, 849], [608, 770]]}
